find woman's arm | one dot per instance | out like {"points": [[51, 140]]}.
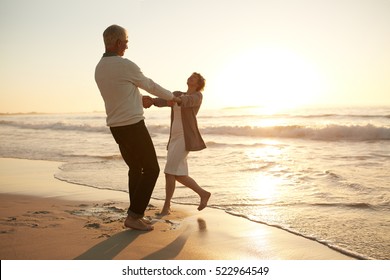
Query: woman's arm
{"points": [[191, 100]]}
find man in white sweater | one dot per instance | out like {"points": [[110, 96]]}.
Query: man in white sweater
{"points": [[118, 80]]}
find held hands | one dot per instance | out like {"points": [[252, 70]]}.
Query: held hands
{"points": [[147, 101], [172, 102]]}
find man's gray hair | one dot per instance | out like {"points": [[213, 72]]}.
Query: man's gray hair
{"points": [[112, 34]]}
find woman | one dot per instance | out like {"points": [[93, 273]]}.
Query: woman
{"points": [[184, 137]]}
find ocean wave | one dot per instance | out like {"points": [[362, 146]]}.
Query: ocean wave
{"points": [[354, 205], [223, 145], [55, 126], [93, 158], [349, 116], [297, 116], [328, 133], [331, 132], [381, 206]]}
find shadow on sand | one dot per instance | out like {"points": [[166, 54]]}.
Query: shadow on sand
{"points": [[108, 249], [111, 247], [172, 249]]}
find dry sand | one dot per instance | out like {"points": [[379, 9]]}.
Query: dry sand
{"points": [[42, 218]]}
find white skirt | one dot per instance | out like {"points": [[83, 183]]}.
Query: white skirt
{"points": [[177, 157]]}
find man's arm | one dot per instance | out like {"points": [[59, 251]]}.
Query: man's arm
{"points": [[147, 84]]}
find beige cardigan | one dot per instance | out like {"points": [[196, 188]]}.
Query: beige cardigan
{"points": [[190, 105]]}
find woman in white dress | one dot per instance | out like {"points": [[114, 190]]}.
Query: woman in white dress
{"points": [[184, 137]]}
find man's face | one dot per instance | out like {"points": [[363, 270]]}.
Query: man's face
{"points": [[122, 45]]}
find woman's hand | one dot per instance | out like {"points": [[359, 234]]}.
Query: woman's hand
{"points": [[177, 100]]}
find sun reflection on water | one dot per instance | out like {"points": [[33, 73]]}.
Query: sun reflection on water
{"points": [[266, 188]]}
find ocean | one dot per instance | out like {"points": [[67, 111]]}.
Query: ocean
{"points": [[322, 173]]}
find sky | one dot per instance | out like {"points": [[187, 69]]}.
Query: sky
{"points": [[251, 52]]}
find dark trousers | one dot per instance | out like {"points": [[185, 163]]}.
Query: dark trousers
{"points": [[138, 152]]}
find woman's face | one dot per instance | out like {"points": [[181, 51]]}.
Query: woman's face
{"points": [[193, 80]]}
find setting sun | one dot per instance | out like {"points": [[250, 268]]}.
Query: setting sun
{"points": [[269, 77]]}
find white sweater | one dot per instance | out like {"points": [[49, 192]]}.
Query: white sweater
{"points": [[118, 80]]}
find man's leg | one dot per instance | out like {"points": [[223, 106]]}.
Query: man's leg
{"points": [[135, 169], [145, 154], [138, 152]]}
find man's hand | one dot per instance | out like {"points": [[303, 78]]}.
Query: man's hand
{"points": [[171, 103], [147, 101]]}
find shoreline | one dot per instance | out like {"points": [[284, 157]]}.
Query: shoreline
{"points": [[44, 218]]}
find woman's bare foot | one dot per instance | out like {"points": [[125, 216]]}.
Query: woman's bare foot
{"points": [[165, 211], [137, 224], [204, 199]]}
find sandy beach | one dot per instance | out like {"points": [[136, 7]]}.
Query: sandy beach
{"points": [[42, 218]]}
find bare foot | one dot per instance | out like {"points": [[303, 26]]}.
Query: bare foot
{"points": [[204, 199], [137, 224], [146, 221], [165, 212]]}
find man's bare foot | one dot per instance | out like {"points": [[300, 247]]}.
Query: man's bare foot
{"points": [[137, 224], [204, 199], [146, 221]]}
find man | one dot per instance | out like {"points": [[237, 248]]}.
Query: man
{"points": [[118, 80]]}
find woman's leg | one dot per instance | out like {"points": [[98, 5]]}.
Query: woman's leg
{"points": [[170, 185], [190, 183]]}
